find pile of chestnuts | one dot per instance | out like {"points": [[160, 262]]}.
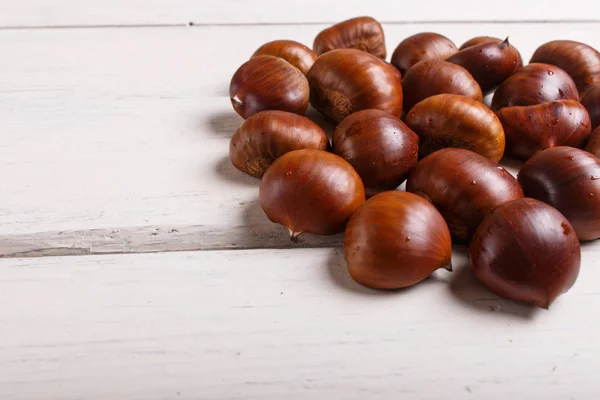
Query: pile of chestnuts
{"points": [[421, 119]]}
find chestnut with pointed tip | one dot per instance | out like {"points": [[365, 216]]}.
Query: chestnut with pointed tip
{"points": [[488, 39], [420, 47], [268, 83], [569, 180], [535, 84], [463, 186], [450, 120], [348, 80], [379, 146], [579, 60], [593, 144], [591, 101], [267, 135], [490, 63], [396, 240], [430, 77], [362, 33], [297, 54], [311, 191], [527, 251]]}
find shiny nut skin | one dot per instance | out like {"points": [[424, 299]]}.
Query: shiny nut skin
{"points": [[396, 240], [535, 84], [311, 191], [463, 186], [530, 129], [362, 33], [579, 60], [265, 136], [569, 180], [268, 83], [379, 146], [431, 77], [527, 251], [420, 47], [591, 101], [449, 120], [490, 63], [348, 80], [487, 39], [297, 54], [593, 144]]}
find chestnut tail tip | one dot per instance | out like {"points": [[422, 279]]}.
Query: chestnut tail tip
{"points": [[294, 235], [448, 267], [236, 100], [504, 43]]}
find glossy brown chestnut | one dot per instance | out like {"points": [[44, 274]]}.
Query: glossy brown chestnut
{"points": [[311, 191], [490, 63], [450, 120], [593, 144], [535, 84], [527, 251], [569, 180], [431, 77], [464, 186], [348, 80], [268, 83], [297, 54], [362, 33], [265, 136], [379, 146], [591, 101], [488, 39], [579, 60], [530, 129], [420, 47], [396, 240]]}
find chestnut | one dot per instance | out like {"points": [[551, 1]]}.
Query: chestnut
{"points": [[525, 250], [419, 47], [464, 186], [362, 33], [268, 83], [490, 63], [379, 146], [450, 120], [593, 144], [535, 84], [311, 191], [396, 240], [591, 101], [265, 136], [488, 39], [530, 129], [348, 80], [297, 54], [430, 77], [569, 180], [579, 60]]}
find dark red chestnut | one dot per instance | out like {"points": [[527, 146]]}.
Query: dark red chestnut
{"points": [[579, 60], [362, 33], [311, 191], [535, 84], [431, 77], [591, 101], [265, 136], [348, 80], [396, 240], [420, 47], [379, 146], [530, 129], [593, 144], [463, 186], [527, 251], [268, 83], [450, 120], [297, 54], [490, 63], [488, 39], [569, 180]]}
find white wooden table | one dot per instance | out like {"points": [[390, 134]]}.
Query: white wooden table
{"points": [[139, 265]]}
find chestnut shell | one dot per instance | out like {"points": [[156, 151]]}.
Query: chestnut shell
{"points": [[464, 186], [569, 180], [591, 101], [361, 33], [525, 250], [297, 54], [593, 144], [488, 39], [396, 240], [420, 47]]}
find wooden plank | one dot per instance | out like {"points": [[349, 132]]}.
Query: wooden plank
{"points": [[281, 324], [127, 130], [134, 12]]}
